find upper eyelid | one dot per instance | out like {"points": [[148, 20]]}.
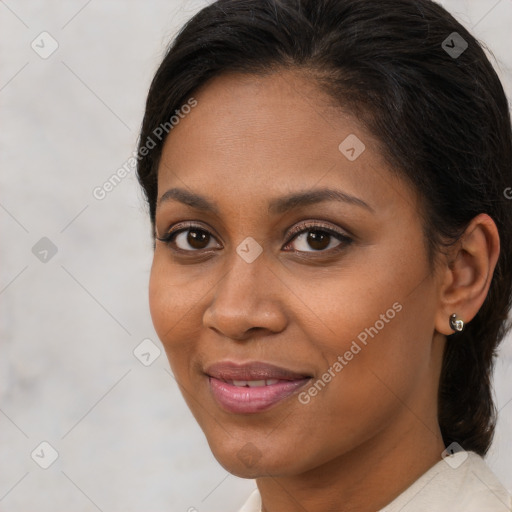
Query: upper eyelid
{"points": [[305, 226], [184, 227]]}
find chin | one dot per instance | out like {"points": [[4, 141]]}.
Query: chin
{"points": [[245, 460], [239, 469]]}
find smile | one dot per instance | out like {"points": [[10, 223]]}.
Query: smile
{"points": [[253, 383], [252, 388]]}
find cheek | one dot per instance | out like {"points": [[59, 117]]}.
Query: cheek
{"points": [[372, 319], [160, 305], [172, 294], [171, 304]]}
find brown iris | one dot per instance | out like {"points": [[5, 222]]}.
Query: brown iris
{"points": [[197, 236], [317, 239]]}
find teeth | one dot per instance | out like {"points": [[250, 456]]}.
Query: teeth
{"points": [[254, 383]]}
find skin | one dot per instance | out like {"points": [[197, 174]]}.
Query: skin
{"points": [[372, 430]]}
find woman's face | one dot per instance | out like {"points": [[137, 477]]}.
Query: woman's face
{"points": [[318, 342]]}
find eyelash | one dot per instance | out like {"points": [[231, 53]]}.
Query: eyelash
{"points": [[345, 240]]}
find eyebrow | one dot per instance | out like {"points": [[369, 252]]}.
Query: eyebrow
{"points": [[276, 206]]}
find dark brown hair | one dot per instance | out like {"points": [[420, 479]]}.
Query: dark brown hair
{"points": [[437, 108]]}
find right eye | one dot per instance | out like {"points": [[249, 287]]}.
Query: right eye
{"points": [[193, 236]]}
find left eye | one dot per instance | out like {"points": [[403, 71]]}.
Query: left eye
{"points": [[317, 237]]}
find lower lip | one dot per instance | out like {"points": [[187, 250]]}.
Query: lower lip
{"points": [[242, 400]]}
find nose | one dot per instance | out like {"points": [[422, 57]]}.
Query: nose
{"points": [[246, 301]]}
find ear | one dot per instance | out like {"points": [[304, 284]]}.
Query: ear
{"points": [[467, 272]]}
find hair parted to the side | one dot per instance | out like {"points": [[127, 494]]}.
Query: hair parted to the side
{"points": [[443, 124]]}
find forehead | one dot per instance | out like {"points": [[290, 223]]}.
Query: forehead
{"points": [[255, 134]]}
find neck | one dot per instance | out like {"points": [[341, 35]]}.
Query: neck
{"points": [[363, 480]]}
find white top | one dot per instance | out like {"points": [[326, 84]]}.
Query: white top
{"points": [[461, 482]]}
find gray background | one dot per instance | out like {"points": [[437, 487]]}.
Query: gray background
{"points": [[69, 325]]}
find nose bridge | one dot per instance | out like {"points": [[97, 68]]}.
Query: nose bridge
{"points": [[241, 286], [243, 299]]}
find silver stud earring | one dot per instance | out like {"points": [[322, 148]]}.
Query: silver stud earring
{"points": [[456, 324]]}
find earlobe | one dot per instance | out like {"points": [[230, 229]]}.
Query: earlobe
{"points": [[468, 275]]}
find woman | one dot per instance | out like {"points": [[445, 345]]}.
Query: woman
{"points": [[332, 243]]}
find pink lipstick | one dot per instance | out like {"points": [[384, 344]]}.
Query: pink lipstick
{"points": [[252, 387]]}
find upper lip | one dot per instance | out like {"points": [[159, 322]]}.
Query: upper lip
{"points": [[228, 370]]}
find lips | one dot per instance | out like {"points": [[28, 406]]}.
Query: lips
{"points": [[252, 387], [229, 371]]}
